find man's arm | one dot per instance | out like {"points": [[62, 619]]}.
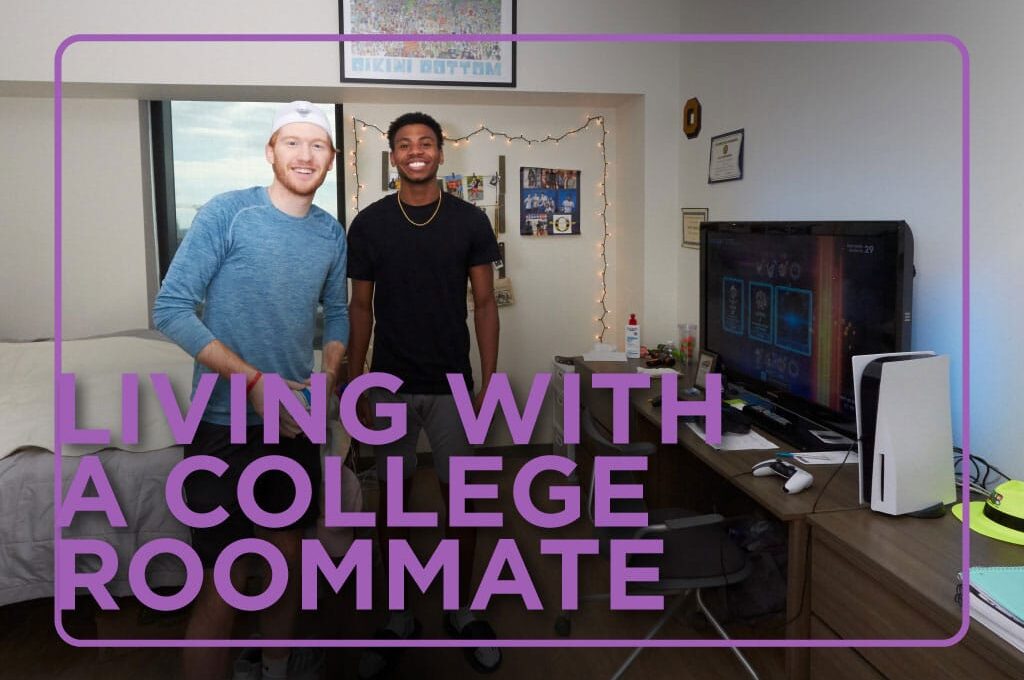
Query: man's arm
{"points": [[334, 355], [485, 320], [360, 311], [336, 319], [196, 262], [217, 357]]}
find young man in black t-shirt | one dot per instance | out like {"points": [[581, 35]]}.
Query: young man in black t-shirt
{"points": [[410, 255]]}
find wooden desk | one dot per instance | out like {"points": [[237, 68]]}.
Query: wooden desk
{"points": [[678, 475], [877, 577]]}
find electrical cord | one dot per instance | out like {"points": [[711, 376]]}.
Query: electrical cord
{"points": [[981, 470], [807, 546], [849, 450], [803, 586]]}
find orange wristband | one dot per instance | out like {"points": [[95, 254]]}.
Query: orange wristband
{"points": [[252, 382]]}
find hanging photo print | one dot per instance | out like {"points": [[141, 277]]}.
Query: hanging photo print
{"points": [[453, 184], [549, 202], [475, 188]]}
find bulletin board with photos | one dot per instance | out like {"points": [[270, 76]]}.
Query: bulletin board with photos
{"points": [[549, 202]]}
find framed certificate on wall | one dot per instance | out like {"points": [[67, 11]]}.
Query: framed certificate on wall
{"points": [[726, 161], [692, 219]]}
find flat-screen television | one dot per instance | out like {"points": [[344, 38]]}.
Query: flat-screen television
{"points": [[785, 305]]}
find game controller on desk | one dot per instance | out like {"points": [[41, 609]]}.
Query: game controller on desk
{"points": [[796, 479]]}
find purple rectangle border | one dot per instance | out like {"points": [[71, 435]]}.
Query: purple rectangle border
{"points": [[581, 38]]}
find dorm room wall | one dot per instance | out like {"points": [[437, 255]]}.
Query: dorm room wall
{"points": [[106, 176], [661, 76], [874, 131], [104, 286]]}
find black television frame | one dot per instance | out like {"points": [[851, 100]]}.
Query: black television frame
{"points": [[810, 410]]}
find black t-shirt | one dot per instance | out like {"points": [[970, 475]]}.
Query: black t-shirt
{"points": [[419, 294]]}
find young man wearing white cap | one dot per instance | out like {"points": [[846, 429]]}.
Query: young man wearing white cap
{"points": [[260, 260]]}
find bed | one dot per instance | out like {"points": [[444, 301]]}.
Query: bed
{"points": [[136, 471]]}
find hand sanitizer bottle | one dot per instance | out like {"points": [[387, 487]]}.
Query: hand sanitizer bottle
{"points": [[632, 338]]}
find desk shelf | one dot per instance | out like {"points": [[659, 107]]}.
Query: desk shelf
{"points": [[880, 577]]}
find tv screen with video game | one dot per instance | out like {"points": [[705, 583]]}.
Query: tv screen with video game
{"points": [[785, 305]]}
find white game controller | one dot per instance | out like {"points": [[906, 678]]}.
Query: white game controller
{"points": [[796, 479]]}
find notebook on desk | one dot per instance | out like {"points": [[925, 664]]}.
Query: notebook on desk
{"points": [[997, 601], [1001, 587]]}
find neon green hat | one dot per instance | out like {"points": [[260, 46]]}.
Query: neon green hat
{"points": [[1001, 515]]}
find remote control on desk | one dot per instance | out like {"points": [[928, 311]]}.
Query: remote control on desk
{"points": [[757, 412], [796, 479], [794, 431]]}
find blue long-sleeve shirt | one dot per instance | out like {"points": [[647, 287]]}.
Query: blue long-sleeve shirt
{"points": [[259, 274]]}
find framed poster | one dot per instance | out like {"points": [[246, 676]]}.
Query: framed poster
{"points": [[456, 62]]}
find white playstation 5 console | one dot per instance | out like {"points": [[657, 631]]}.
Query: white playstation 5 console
{"points": [[904, 432]]}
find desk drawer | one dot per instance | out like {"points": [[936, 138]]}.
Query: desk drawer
{"points": [[837, 663], [558, 445], [557, 385], [856, 604], [558, 375]]}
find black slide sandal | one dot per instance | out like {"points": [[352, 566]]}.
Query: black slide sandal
{"points": [[389, 655], [474, 630]]}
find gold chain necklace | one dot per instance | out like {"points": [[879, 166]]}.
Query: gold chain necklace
{"points": [[419, 224]]}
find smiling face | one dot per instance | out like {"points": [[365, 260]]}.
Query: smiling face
{"points": [[301, 155], [416, 154]]}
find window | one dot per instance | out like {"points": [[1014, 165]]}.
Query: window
{"points": [[202, 149]]}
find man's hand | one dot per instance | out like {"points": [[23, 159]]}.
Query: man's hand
{"points": [[363, 410], [287, 425], [289, 428], [478, 399]]}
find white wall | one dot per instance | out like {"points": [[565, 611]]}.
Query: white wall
{"points": [[883, 123], [840, 132], [650, 181], [641, 79], [26, 218], [103, 246]]}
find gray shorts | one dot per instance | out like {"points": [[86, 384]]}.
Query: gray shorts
{"points": [[437, 415]]}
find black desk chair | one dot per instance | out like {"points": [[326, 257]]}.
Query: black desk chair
{"points": [[698, 552]]}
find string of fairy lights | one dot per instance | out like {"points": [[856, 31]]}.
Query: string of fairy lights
{"points": [[359, 125]]}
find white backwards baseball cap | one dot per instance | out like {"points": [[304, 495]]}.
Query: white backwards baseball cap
{"points": [[301, 112]]}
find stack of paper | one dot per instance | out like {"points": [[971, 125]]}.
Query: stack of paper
{"points": [[656, 370], [604, 352], [997, 601]]}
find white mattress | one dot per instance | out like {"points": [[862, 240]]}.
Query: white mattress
{"points": [[26, 519], [137, 472]]}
